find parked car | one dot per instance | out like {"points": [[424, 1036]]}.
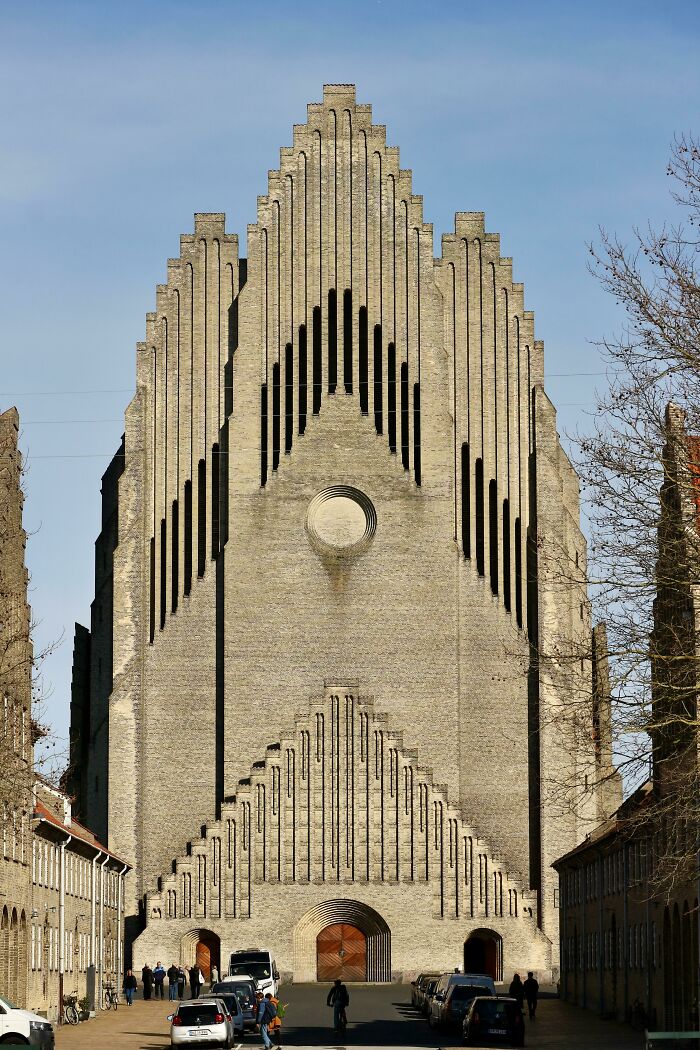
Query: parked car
{"points": [[459, 999], [228, 994], [259, 964], [22, 1026], [494, 1020], [444, 988], [244, 989], [427, 994], [202, 1021], [414, 988], [419, 985]]}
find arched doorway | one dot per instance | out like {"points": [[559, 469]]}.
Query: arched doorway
{"points": [[483, 953], [355, 915], [203, 948], [341, 952]]}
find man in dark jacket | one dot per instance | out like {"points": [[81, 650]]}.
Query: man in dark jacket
{"points": [[338, 998], [130, 985], [173, 974], [147, 979], [531, 988], [195, 981]]}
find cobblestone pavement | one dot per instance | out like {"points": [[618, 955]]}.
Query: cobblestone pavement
{"points": [[379, 1016]]}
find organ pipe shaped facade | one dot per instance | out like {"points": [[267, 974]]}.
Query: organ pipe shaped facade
{"points": [[313, 692]]}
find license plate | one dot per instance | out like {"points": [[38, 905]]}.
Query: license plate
{"points": [[497, 1031], [199, 1031]]}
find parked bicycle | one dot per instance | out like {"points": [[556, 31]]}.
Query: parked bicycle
{"points": [[71, 1015], [110, 999]]}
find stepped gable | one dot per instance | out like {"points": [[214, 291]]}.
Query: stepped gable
{"points": [[339, 800]]}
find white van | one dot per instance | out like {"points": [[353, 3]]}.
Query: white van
{"points": [[259, 964], [29, 1028]]}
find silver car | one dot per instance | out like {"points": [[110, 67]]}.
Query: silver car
{"points": [[202, 1022]]}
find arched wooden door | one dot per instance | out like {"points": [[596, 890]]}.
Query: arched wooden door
{"points": [[207, 953], [341, 952]]}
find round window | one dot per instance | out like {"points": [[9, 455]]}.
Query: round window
{"points": [[341, 520]]}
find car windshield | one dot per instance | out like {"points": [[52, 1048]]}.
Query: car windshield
{"points": [[231, 1001], [7, 1004], [494, 1010], [242, 991], [255, 969], [468, 991], [431, 986], [205, 1013]]}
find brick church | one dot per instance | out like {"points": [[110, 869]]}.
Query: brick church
{"points": [[312, 709]]}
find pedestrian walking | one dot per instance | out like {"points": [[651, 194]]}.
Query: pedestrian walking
{"points": [[266, 1013], [181, 982], [202, 981], [130, 985], [275, 1025], [339, 999], [159, 980], [195, 975], [214, 975], [147, 981], [532, 991], [517, 990], [173, 976]]}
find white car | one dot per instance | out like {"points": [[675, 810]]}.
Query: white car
{"points": [[200, 1022], [24, 1028]]}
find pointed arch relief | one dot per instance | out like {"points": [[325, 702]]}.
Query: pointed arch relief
{"points": [[203, 947], [361, 918]]}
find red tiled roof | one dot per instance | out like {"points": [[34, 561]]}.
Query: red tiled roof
{"points": [[74, 828]]}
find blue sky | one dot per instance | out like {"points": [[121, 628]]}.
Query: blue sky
{"points": [[120, 120]]}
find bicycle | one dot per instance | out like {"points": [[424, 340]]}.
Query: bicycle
{"points": [[110, 999], [70, 1008]]}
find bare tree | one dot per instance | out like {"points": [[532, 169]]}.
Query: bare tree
{"points": [[640, 469], [21, 724]]}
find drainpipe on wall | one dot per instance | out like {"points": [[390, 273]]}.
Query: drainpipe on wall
{"points": [[120, 932], [563, 961], [101, 956], [584, 953], [650, 946], [625, 935], [93, 954], [601, 942], [62, 922]]}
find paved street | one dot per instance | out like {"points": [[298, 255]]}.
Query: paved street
{"points": [[379, 1016]]}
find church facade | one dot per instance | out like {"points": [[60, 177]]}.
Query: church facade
{"points": [[311, 708]]}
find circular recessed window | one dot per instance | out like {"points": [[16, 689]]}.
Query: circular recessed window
{"points": [[341, 520]]}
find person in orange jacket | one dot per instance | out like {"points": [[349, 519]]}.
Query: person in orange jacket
{"points": [[275, 1025]]}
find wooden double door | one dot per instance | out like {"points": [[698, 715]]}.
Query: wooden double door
{"points": [[341, 952]]}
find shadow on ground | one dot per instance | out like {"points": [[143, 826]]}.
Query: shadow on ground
{"points": [[374, 1019]]}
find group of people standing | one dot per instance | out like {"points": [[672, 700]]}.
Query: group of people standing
{"points": [[525, 990], [178, 978]]}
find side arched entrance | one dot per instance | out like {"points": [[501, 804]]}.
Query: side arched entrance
{"points": [[483, 953], [203, 948], [345, 939]]}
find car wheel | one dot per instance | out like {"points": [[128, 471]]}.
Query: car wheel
{"points": [[14, 1040]]}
